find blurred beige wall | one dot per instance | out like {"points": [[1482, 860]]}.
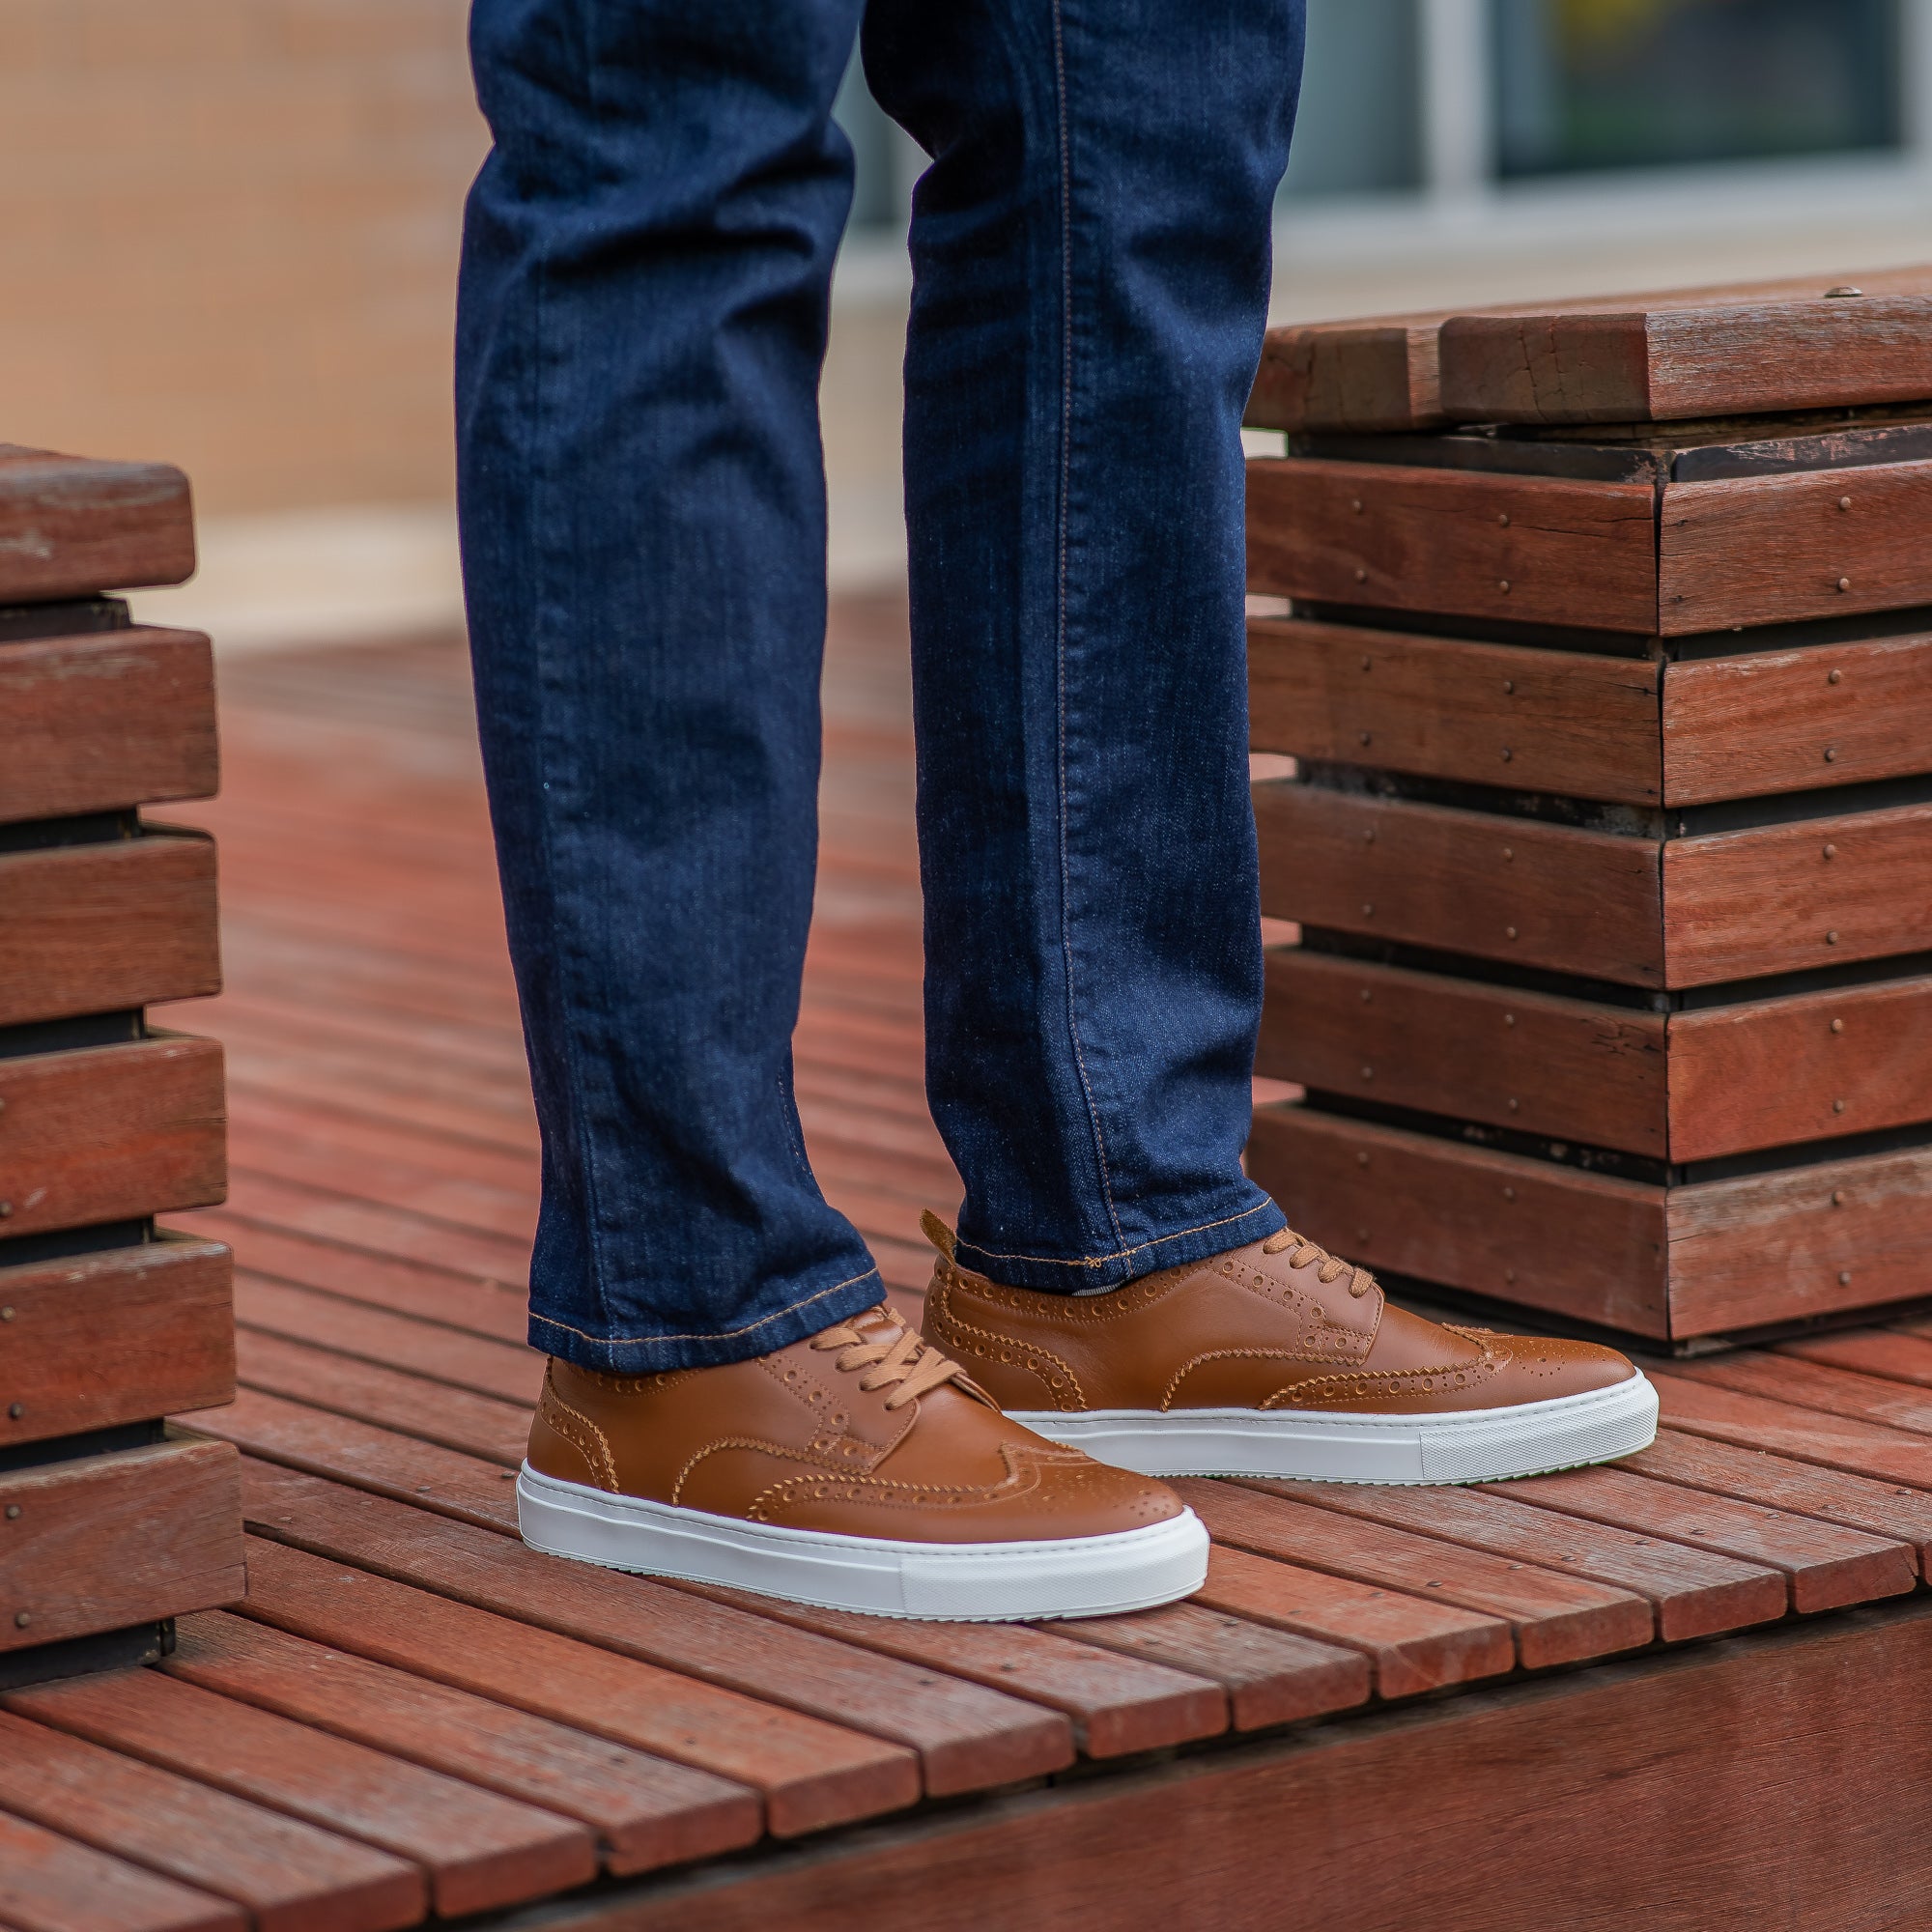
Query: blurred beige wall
{"points": [[228, 235]]}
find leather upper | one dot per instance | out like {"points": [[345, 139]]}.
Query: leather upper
{"points": [[1247, 1329], [796, 1438]]}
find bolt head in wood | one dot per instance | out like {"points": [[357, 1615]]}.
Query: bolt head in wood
{"points": [[1837, 1106], [1355, 505], [1837, 1197], [1509, 932], [1366, 662], [1834, 677], [1361, 1160], [6, 1315], [1831, 754], [1844, 502], [1365, 738], [12, 1512], [1843, 290], [1831, 851], [22, 1618], [1509, 687], [1503, 518], [1368, 1073], [1509, 1193], [1844, 1277], [1509, 1019], [1844, 583], [16, 1410], [1514, 1104], [1838, 1026], [1361, 576], [1366, 995], [1830, 938], [1503, 584], [1368, 910]]}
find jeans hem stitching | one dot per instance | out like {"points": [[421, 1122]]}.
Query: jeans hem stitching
{"points": [[1121, 1254], [714, 1335]]}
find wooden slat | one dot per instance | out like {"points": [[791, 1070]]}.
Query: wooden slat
{"points": [[1900, 1357], [1646, 361], [49, 1884], [1524, 549], [287, 1875], [1762, 550], [370, 1457], [103, 1542], [1413, 1645], [100, 928], [1116, 1705], [1696, 1592], [1848, 1233], [111, 1133], [480, 1850], [1810, 1385], [510, 1371], [1807, 1436], [102, 722], [1782, 899], [1270, 1676], [477, 1425], [72, 525], [1763, 721], [812, 1773], [1576, 1243], [647, 1813], [1380, 374], [1556, 1618], [1474, 882], [968, 1737], [1490, 714], [1728, 1469], [119, 1336], [1573, 1069], [1806, 1066], [1824, 1567]]}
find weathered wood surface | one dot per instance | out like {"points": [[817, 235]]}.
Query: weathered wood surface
{"points": [[118, 1336], [1474, 882], [1778, 721], [1446, 708], [70, 526], [102, 722], [1762, 550], [102, 928], [99, 1543], [1735, 349], [384, 1188], [1574, 1070], [1775, 1772], [50, 1883], [1782, 899], [1523, 549], [288, 1875], [111, 1133]]}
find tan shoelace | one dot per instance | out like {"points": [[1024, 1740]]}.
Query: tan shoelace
{"points": [[1333, 1267], [905, 1358]]}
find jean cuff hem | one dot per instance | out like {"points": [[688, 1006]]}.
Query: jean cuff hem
{"points": [[657, 1355], [1214, 1236]]}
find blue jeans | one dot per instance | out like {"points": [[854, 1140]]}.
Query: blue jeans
{"points": [[645, 294]]}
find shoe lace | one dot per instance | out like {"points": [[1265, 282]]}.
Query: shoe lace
{"points": [[904, 1358], [1333, 1267]]}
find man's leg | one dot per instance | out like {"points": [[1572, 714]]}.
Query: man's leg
{"points": [[645, 280], [646, 271], [1091, 255]]}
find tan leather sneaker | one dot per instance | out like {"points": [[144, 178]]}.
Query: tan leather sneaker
{"points": [[859, 1469], [1279, 1359]]}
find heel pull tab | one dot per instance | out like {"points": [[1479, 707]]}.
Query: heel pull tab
{"points": [[937, 1232]]}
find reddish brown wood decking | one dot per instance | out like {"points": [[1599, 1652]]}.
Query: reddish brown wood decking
{"points": [[413, 1715]]}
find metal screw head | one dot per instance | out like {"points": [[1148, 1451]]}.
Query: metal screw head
{"points": [[1834, 677], [1367, 996], [22, 1618], [1368, 910], [1368, 1073], [1368, 834], [1843, 289], [1364, 736], [1844, 583], [1831, 851], [1831, 754], [12, 1512], [1509, 1019], [1355, 505], [1366, 662], [1509, 932], [1514, 1106], [6, 1208], [1509, 1193], [6, 1315], [1503, 519], [1837, 1106], [1844, 502], [1503, 584], [1509, 687], [1844, 1277], [15, 1410], [1509, 1274], [1361, 1160], [1830, 938], [1361, 576], [1837, 1197], [1508, 754], [1838, 1026]]}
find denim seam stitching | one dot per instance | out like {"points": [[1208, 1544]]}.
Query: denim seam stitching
{"points": [[1121, 1254], [1062, 520], [710, 1335]]}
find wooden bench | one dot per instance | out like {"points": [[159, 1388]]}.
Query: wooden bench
{"points": [[108, 1527], [1610, 837]]}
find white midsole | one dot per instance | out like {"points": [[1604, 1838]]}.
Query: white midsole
{"points": [[1334, 1446], [1063, 1577]]}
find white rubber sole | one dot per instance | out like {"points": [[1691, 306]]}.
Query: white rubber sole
{"points": [[978, 1582], [1484, 1445]]}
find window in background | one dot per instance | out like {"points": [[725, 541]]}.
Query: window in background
{"points": [[1358, 129], [1635, 84], [881, 199]]}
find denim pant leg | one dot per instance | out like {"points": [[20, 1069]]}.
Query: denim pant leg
{"points": [[645, 279], [1091, 260]]}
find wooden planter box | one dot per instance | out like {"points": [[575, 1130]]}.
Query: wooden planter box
{"points": [[1610, 838], [108, 1527]]}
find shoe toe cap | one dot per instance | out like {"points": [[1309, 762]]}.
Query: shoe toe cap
{"points": [[1549, 1366]]}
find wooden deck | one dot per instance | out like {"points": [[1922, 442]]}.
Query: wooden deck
{"points": [[1689, 1691]]}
